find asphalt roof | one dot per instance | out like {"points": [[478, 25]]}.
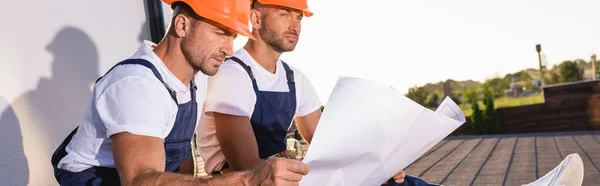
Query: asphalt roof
{"points": [[511, 159]]}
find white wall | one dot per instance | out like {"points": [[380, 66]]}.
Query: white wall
{"points": [[51, 52]]}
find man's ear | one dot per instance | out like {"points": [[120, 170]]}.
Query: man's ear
{"points": [[255, 19], [181, 24]]}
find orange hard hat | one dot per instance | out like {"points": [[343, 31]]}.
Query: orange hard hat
{"points": [[234, 14], [301, 5]]}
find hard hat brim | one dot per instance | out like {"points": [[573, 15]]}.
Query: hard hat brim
{"points": [[307, 13], [225, 20]]}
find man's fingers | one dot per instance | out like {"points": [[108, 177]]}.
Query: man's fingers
{"points": [[288, 176], [400, 175], [295, 166], [399, 180]]}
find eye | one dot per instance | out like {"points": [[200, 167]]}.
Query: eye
{"points": [[300, 17], [285, 14], [226, 33]]}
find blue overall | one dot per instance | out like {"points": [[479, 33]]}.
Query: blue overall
{"points": [[272, 116], [177, 144]]}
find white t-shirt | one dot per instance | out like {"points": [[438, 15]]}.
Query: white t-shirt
{"points": [[230, 92], [128, 99]]}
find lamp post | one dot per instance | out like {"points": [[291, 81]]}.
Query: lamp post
{"points": [[538, 48]]}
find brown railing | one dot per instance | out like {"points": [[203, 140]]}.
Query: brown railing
{"points": [[567, 107]]}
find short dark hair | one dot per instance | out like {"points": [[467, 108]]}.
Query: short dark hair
{"points": [[185, 9]]}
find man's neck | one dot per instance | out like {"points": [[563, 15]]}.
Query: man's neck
{"points": [[170, 53], [263, 54]]}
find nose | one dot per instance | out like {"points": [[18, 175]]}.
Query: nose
{"points": [[227, 48], [295, 26]]}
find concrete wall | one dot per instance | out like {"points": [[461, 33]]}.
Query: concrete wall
{"points": [[51, 52]]}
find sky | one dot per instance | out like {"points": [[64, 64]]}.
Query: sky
{"points": [[460, 39]]}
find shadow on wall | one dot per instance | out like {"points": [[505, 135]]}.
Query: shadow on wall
{"points": [[13, 163], [51, 111]]}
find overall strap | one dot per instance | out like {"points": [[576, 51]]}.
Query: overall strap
{"points": [[150, 66], [289, 73], [248, 70], [193, 89]]}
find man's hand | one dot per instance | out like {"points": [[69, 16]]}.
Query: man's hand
{"points": [[398, 178], [278, 171]]}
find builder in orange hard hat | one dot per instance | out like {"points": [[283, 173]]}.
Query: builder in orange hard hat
{"points": [[143, 112], [253, 100], [255, 97]]}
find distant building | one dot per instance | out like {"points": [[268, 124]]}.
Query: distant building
{"points": [[536, 83], [515, 91]]}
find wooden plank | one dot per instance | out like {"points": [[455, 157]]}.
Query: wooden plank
{"points": [[564, 127], [542, 118], [539, 109], [591, 87], [570, 96]]}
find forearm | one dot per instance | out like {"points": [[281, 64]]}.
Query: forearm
{"points": [[237, 141], [308, 124], [240, 158], [167, 178]]}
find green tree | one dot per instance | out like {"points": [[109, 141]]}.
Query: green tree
{"points": [[432, 100], [570, 71], [418, 94], [554, 78], [490, 116], [469, 94], [476, 117], [498, 85]]}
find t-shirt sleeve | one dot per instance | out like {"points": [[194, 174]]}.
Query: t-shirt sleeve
{"points": [[137, 105], [307, 99], [230, 92]]}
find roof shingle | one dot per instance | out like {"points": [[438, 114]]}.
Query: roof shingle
{"points": [[511, 159]]}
